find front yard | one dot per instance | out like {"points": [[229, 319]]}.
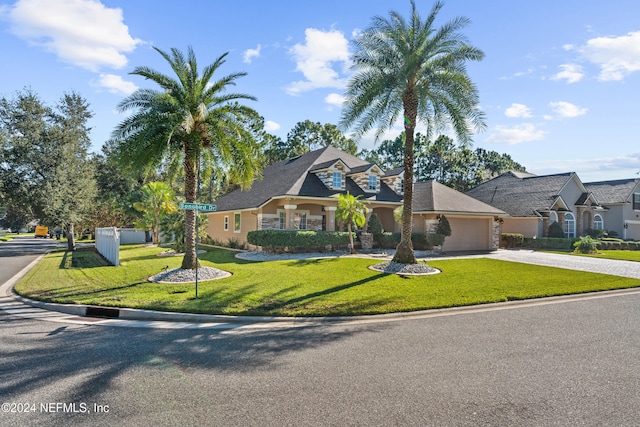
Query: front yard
{"points": [[313, 287]]}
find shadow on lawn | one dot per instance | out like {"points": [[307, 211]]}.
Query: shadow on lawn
{"points": [[282, 304]]}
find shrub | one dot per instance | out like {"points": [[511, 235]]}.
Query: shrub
{"points": [[586, 245], [443, 226], [511, 240], [420, 241], [555, 230], [374, 227], [291, 239], [549, 243]]}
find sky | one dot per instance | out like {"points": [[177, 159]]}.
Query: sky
{"points": [[559, 83]]}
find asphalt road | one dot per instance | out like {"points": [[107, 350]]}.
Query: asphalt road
{"points": [[19, 252], [569, 363]]}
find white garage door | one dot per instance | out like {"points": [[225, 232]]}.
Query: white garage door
{"points": [[468, 234], [633, 230]]}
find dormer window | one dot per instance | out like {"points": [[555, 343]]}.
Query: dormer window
{"points": [[373, 182], [337, 180]]}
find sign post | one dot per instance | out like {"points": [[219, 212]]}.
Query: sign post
{"points": [[197, 207]]}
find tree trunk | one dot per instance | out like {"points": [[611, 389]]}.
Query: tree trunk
{"points": [[190, 259], [71, 238], [353, 248], [404, 250]]}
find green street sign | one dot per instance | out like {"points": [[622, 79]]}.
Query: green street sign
{"points": [[198, 207]]}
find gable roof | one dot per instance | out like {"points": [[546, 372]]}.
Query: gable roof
{"points": [[522, 195], [292, 177], [613, 192], [431, 196]]}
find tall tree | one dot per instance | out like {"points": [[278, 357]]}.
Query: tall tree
{"points": [[308, 136], [191, 115], [411, 68], [44, 167], [71, 189]]}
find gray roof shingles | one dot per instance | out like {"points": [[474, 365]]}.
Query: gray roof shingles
{"points": [[431, 196], [519, 195], [612, 192]]}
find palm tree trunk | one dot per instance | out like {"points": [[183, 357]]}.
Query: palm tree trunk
{"points": [[404, 250], [190, 259], [352, 249]]}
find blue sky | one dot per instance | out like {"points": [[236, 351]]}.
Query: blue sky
{"points": [[559, 83]]}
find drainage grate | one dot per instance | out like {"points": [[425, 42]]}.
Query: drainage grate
{"points": [[102, 312]]}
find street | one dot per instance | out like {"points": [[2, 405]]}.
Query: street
{"points": [[570, 363]]}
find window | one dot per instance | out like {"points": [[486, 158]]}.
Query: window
{"points": [[373, 183], [401, 185], [226, 223], [598, 222], [569, 225], [337, 180], [636, 201], [300, 220], [236, 222], [282, 218], [553, 217]]}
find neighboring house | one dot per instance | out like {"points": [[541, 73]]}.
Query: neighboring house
{"points": [[621, 200], [534, 202], [301, 194]]}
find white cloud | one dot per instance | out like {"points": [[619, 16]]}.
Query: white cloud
{"points": [[518, 110], [249, 54], [617, 56], [525, 132], [591, 169], [270, 126], [334, 100], [85, 33], [316, 60], [567, 110], [572, 73], [116, 84]]}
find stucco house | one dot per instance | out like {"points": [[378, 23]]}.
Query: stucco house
{"points": [[621, 202], [301, 194], [534, 202]]}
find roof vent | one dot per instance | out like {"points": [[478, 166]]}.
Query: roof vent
{"points": [[293, 159]]}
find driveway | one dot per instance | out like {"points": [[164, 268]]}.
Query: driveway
{"points": [[590, 264]]}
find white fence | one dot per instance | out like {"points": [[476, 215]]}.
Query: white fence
{"points": [[108, 244]]}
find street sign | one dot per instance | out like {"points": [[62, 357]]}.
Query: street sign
{"points": [[198, 207]]}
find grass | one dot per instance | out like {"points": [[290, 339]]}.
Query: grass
{"points": [[317, 287], [607, 254]]}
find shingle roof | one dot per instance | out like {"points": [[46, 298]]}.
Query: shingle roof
{"points": [[520, 195], [292, 178], [612, 192], [431, 196]]}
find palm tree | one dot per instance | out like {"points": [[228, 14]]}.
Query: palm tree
{"points": [[417, 70], [157, 199], [192, 118], [351, 210]]}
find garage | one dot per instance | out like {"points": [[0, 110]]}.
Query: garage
{"points": [[632, 230], [468, 234]]}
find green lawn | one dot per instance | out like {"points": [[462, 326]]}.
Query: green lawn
{"points": [[318, 287], [607, 254]]}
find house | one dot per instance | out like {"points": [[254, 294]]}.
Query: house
{"points": [[301, 194], [621, 200], [534, 202]]}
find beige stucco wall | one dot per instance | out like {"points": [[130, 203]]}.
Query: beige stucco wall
{"points": [[528, 227], [215, 226]]}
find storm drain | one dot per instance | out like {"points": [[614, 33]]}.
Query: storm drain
{"points": [[102, 312]]}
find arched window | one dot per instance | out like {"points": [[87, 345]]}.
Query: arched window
{"points": [[598, 222], [569, 225], [553, 217]]}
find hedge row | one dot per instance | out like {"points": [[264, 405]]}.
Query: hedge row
{"points": [[608, 245], [420, 241], [280, 239]]}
